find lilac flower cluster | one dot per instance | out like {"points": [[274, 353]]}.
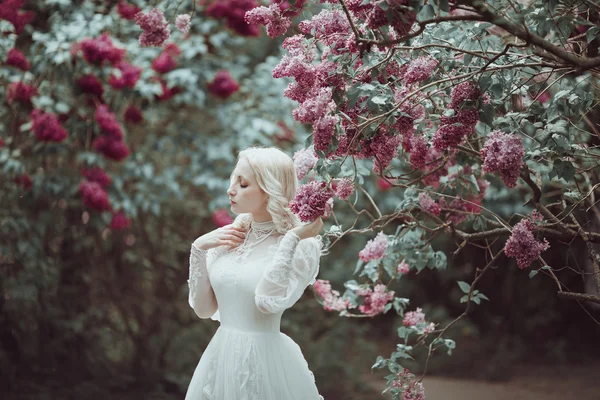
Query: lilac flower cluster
{"points": [[503, 153], [375, 299], [522, 244], [94, 196], [304, 161], [272, 17], [154, 26], [17, 59], [110, 143], [310, 200], [345, 187], [47, 127], [428, 205], [374, 249], [223, 85], [331, 298], [464, 100]]}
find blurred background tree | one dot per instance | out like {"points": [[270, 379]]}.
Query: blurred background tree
{"points": [[116, 156]]}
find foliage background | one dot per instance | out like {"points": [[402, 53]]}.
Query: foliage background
{"points": [[88, 310]]}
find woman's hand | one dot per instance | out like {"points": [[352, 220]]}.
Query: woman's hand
{"points": [[228, 235], [309, 230]]}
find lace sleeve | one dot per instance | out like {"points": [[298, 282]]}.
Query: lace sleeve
{"points": [[294, 266], [201, 296]]}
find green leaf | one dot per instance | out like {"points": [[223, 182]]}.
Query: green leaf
{"points": [[427, 12], [533, 273], [592, 33], [464, 286], [562, 169], [443, 4], [486, 115]]}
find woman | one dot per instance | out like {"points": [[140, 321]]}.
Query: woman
{"points": [[246, 274]]}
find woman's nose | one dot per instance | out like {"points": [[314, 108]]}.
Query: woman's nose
{"points": [[230, 192]]}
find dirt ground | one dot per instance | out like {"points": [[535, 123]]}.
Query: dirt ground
{"points": [[553, 382]]}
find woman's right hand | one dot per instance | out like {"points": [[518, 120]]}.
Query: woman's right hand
{"points": [[229, 235]]}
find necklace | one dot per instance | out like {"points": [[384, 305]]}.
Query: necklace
{"points": [[261, 230]]}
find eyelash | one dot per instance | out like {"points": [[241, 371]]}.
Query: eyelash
{"points": [[243, 186]]}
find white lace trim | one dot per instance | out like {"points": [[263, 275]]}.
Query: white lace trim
{"points": [[197, 271], [292, 262]]}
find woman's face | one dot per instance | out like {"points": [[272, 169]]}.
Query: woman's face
{"points": [[245, 195]]}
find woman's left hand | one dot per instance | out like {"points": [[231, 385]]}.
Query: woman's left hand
{"points": [[309, 230]]}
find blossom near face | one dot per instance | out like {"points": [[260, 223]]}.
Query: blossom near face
{"points": [[244, 191]]}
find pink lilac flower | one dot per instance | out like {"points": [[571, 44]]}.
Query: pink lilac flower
{"points": [[413, 318], [345, 187], [107, 121], [310, 201], [328, 208], [129, 76], [221, 217], [503, 153], [522, 244], [111, 148], [101, 49], [133, 115], [17, 59], [167, 59], [90, 84], [120, 221], [223, 85], [418, 151], [323, 131], [271, 17], [383, 185], [164, 63], [395, 13], [94, 196], [331, 298], [328, 27], [46, 127], [376, 300], [315, 107], [374, 249], [428, 205], [10, 10], [304, 161], [453, 130], [23, 181], [403, 268], [97, 174], [435, 168], [183, 22], [154, 26], [384, 149], [126, 10], [410, 387], [429, 328], [420, 69], [288, 9], [167, 92], [234, 12], [21, 92]]}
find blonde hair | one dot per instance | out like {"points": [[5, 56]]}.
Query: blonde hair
{"points": [[275, 174]]}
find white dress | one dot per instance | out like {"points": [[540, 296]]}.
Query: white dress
{"points": [[248, 289]]}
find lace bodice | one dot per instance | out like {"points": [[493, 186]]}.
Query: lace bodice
{"points": [[250, 286]]}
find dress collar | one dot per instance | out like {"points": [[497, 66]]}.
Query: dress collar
{"points": [[262, 226]]}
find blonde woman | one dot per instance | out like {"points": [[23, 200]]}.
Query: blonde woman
{"points": [[246, 275]]}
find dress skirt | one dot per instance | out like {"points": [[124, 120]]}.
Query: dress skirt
{"points": [[241, 365]]}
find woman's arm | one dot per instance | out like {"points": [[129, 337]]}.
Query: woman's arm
{"points": [[294, 266], [202, 297]]}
